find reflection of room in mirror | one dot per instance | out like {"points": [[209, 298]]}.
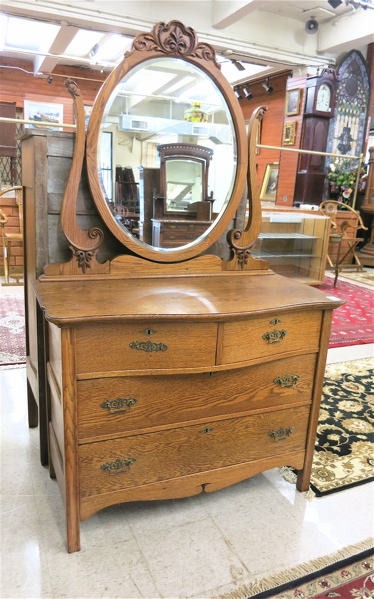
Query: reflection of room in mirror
{"points": [[146, 110]]}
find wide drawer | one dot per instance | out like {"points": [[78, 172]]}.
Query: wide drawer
{"points": [[270, 336], [145, 345], [122, 404], [143, 459]]}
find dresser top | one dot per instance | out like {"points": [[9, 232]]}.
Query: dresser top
{"points": [[188, 297]]}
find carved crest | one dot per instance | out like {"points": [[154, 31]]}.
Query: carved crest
{"points": [[175, 39]]}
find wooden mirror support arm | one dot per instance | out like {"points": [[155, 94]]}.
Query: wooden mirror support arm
{"points": [[248, 236], [84, 244]]}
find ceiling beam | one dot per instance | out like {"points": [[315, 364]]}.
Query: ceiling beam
{"points": [[227, 13], [347, 32], [46, 64]]}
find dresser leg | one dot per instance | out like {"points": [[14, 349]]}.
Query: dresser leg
{"points": [[303, 479], [73, 535], [32, 407]]}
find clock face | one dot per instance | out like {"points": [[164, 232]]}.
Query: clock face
{"points": [[323, 102]]}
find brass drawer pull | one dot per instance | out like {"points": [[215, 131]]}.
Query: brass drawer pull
{"points": [[206, 430], [118, 466], [274, 336], [148, 346], [281, 433], [288, 380], [120, 404]]}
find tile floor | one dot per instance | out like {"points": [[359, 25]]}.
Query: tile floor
{"points": [[197, 547]]}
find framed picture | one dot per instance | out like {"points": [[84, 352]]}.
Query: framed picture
{"points": [[289, 133], [43, 111], [270, 182], [292, 101]]}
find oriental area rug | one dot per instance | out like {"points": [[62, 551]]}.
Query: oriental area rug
{"points": [[346, 574], [344, 449], [12, 331], [352, 324]]}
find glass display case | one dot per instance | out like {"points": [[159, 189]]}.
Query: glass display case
{"points": [[295, 244]]}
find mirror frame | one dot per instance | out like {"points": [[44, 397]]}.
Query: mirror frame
{"points": [[172, 40]]}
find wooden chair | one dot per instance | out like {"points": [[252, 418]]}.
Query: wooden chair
{"points": [[339, 234], [10, 238]]}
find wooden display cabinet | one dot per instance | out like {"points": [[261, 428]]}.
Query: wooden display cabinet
{"points": [[295, 244]]}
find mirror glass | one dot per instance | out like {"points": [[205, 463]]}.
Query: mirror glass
{"points": [[167, 102], [184, 185]]}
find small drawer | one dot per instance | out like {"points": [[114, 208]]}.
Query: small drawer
{"points": [[145, 345], [144, 459], [121, 405], [270, 336]]}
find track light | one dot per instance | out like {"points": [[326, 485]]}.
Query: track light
{"points": [[247, 93], [49, 80], [238, 94], [267, 87], [94, 50], [238, 65]]}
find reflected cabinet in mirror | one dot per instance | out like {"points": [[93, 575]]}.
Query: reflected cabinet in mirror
{"points": [[165, 144]]}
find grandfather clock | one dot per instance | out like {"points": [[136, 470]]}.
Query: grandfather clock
{"points": [[319, 109]]}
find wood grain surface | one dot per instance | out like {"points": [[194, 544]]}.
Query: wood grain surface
{"points": [[220, 296], [188, 450], [167, 401]]}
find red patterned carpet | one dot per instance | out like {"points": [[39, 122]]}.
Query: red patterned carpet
{"points": [[12, 331], [352, 324]]}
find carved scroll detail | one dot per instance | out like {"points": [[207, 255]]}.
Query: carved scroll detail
{"points": [[248, 236], [175, 39], [84, 244]]}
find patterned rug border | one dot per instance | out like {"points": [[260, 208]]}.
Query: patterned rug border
{"points": [[260, 588]]}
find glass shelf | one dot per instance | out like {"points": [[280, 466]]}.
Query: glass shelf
{"points": [[294, 244]]}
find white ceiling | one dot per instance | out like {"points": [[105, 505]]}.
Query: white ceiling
{"points": [[271, 33]]}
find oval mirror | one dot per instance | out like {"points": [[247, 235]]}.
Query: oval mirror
{"points": [[165, 154]]}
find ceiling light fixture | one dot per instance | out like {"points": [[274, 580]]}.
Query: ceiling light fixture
{"points": [[94, 50], [238, 65], [238, 94], [50, 79], [267, 87], [247, 93], [335, 3]]}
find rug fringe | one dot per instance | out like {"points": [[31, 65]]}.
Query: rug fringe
{"points": [[280, 578]]}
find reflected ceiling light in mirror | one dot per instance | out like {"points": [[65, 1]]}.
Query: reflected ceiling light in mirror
{"points": [[182, 83]]}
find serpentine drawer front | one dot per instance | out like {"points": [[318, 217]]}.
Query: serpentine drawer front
{"points": [[113, 465], [122, 404], [270, 335], [145, 345]]}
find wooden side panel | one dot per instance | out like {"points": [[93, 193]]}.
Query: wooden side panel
{"points": [[55, 358]]}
